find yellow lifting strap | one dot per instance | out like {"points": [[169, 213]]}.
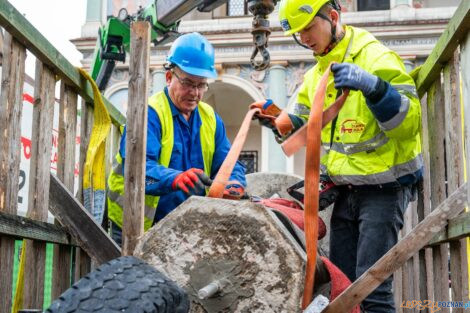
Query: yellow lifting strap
{"points": [[18, 301], [94, 176]]}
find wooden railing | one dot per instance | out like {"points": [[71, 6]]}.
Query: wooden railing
{"points": [[431, 267], [46, 192], [443, 84]]}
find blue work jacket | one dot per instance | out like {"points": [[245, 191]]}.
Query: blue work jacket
{"points": [[186, 154]]}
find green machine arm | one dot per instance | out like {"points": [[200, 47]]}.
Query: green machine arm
{"points": [[164, 16]]}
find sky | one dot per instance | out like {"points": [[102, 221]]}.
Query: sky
{"points": [[58, 21]]}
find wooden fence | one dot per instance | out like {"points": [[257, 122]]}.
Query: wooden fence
{"points": [[51, 69], [446, 119], [439, 272]]}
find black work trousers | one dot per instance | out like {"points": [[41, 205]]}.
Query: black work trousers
{"points": [[364, 225]]}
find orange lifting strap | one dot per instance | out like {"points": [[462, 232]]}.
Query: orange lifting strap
{"points": [[309, 135]]}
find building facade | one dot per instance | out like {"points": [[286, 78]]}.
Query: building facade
{"points": [[410, 27]]}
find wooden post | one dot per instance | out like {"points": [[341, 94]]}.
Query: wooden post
{"points": [[136, 137], [401, 252], [38, 197], [11, 104], [65, 172]]}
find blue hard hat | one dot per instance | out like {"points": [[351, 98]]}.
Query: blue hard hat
{"points": [[193, 54]]}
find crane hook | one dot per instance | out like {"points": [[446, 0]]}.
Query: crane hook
{"points": [[260, 34], [260, 9]]}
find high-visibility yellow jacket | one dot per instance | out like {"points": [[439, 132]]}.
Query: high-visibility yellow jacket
{"points": [[363, 148], [160, 104]]}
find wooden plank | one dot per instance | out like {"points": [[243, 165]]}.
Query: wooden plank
{"points": [[80, 224], [415, 267], [465, 72], [86, 123], [407, 269], [397, 287], [136, 137], [400, 253], [14, 22], [83, 264], [82, 260], [65, 172], [7, 250], [455, 165], [437, 177], [424, 208], [67, 136], [11, 104], [458, 228], [455, 32], [20, 227], [38, 197]]}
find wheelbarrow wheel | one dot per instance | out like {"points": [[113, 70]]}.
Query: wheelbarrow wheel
{"points": [[125, 284]]}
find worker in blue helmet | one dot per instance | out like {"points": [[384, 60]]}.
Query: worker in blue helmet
{"points": [[186, 139]]}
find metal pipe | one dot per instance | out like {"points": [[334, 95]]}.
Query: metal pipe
{"points": [[211, 289]]}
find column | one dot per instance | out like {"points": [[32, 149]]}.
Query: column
{"points": [[158, 81], [396, 3], [94, 12], [402, 10], [273, 156]]}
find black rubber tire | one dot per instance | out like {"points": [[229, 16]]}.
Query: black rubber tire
{"points": [[125, 284]]}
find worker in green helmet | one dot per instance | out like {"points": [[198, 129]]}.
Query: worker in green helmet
{"points": [[373, 149]]}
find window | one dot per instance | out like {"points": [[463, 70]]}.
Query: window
{"points": [[237, 8], [372, 5], [250, 160]]}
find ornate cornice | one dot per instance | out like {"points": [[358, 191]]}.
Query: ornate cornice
{"points": [[411, 32]]}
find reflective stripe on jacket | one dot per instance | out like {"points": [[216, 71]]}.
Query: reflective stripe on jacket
{"points": [[362, 150], [160, 104]]}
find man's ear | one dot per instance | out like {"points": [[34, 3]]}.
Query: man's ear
{"points": [[334, 15], [168, 76]]}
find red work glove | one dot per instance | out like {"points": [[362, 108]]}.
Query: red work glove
{"points": [[191, 182], [233, 190]]}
